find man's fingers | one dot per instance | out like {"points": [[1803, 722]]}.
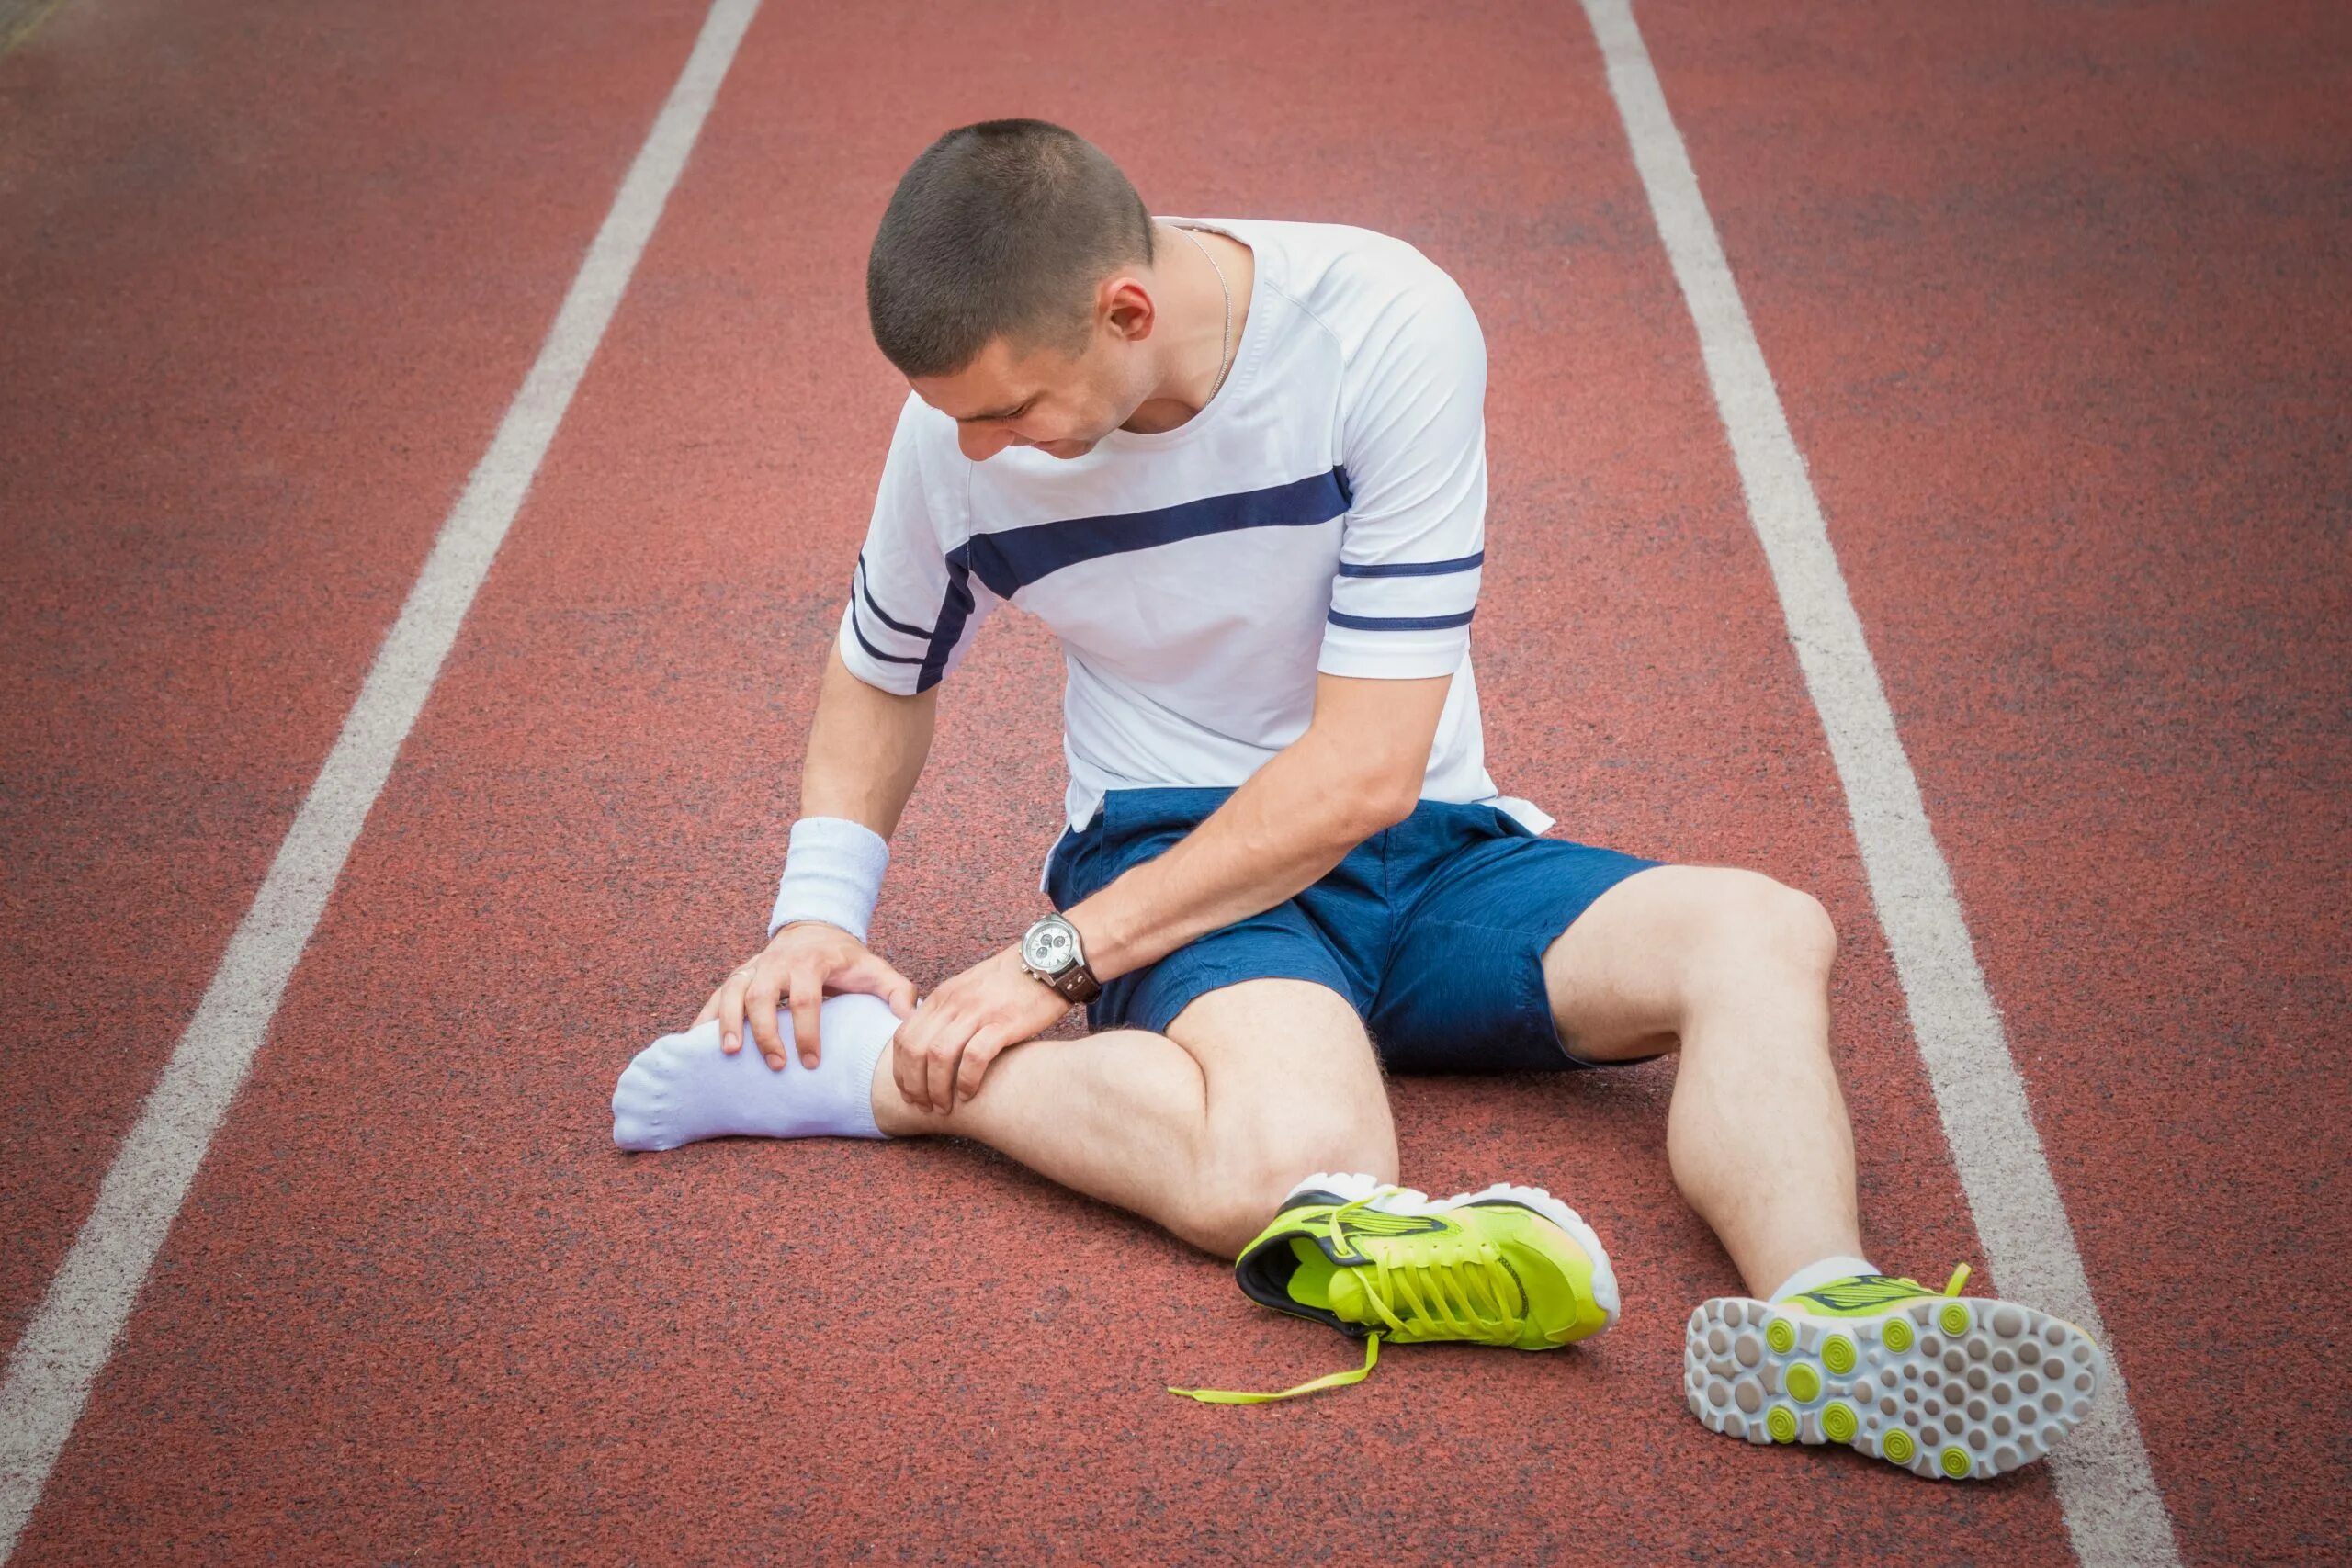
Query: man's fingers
{"points": [[807, 998], [983, 1050], [940, 1060], [795, 973], [760, 1004], [891, 987], [907, 1060], [730, 1013], [874, 977]]}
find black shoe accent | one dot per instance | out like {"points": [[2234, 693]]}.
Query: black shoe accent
{"points": [[1264, 1271]]}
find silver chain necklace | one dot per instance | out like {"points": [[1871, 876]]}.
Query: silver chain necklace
{"points": [[1223, 368]]}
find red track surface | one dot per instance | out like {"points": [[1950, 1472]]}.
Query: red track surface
{"points": [[2054, 305], [2057, 307]]}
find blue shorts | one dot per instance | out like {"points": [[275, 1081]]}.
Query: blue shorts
{"points": [[1434, 930]]}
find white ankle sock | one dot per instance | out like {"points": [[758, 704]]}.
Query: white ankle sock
{"points": [[1813, 1275], [683, 1088]]}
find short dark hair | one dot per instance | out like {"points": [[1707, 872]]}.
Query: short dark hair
{"points": [[999, 229]]}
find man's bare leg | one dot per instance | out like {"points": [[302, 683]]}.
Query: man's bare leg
{"points": [[1204, 1129], [1735, 968]]}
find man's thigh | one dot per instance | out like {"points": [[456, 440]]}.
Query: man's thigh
{"points": [[1290, 1074], [1611, 977], [1622, 976]]}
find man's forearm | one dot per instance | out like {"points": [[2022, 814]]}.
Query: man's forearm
{"points": [[1296, 818], [866, 749]]}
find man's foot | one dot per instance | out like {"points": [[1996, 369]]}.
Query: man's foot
{"points": [[1508, 1266], [1939, 1385], [684, 1087]]}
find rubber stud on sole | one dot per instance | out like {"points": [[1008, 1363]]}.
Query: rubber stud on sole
{"points": [[1955, 1319], [1956, 1465], [1838, 1422], [1897, 1334], [1782, 1425], [1838, 1355], [1782, 1336], [1897, 1446], [1804, 1382]]}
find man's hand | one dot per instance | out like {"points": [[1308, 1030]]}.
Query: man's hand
{"points": [[805, 961], [938, 1056]]}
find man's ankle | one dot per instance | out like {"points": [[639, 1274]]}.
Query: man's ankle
{"points": [[1823, 1272]]}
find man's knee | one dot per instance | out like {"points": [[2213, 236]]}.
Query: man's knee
{"points": [[1743, 921], [1625, 979], [1257, 1160]]}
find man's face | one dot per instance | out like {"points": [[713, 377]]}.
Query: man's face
{"points": [[1041, 398]]}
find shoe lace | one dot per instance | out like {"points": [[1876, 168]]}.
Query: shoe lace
{"points": [[1454, 1280], [1458, 1282], [1951, 1286]]}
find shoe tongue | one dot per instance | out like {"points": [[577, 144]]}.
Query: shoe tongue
{"points": [[1346, 1295]]}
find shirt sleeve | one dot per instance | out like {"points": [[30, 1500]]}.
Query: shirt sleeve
{"points": [[1413, 455], [914, 606]]}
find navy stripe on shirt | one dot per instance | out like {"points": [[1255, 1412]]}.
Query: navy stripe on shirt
{"points": [[954, 609], [880, 614], [1412, 567], [1399, 623], [1008, 562], [1012, 560], [866, 643]]}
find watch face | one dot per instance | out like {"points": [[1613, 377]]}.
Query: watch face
{"points": [[1047, 948]]}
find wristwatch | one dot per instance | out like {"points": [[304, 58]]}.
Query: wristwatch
{"points": [[1051, 951]]}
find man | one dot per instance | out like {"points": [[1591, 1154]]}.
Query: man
{"points": [[1239, 467]]}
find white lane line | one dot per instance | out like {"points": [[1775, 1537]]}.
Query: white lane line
{"points": [[52, 1372], [2110, 1500]]}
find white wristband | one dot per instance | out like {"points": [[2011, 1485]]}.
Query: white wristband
{"points": [[833, 872]]}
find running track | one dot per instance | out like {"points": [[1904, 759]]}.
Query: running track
{"points": [[2053, 298]]}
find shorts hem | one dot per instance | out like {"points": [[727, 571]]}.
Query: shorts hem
{"points": [[1171, 995]]}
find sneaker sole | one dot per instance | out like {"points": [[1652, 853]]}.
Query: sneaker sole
{"points": [[1412, 1201], [1951, 1389]]}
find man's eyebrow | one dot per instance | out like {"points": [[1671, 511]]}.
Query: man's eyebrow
{"points": [[997, 413]]}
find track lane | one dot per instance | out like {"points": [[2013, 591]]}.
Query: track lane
{"points": [[57, 1361], [267, 278], [2054, 304]]}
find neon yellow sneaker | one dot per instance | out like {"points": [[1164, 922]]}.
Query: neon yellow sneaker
{"points": [[1943, 1387], [1505, 1265]]}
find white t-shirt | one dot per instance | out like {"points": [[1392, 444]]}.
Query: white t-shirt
{"points": [[1325, 510]]}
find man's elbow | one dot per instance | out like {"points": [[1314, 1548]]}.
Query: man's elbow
{"points": [[1369, 740], [1381, 799]]}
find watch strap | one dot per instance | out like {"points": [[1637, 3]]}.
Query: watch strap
{"points": [[1077, 984]]}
